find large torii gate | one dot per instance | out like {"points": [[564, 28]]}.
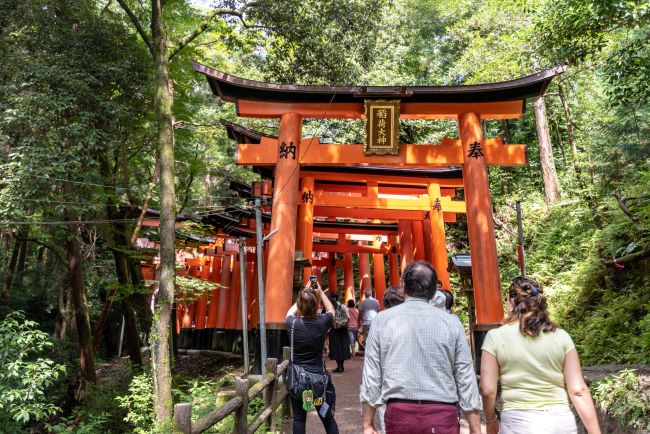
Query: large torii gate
{"points": [[290, 152]]}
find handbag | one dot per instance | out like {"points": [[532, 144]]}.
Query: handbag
{"points": [[299, 380]]}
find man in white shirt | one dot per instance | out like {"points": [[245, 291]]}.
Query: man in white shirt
{"points": [[418, 364]]}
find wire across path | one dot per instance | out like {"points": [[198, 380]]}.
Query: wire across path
{"points": [[348, 409]]}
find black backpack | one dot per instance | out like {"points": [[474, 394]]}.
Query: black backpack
{"points": [[340, 317]]}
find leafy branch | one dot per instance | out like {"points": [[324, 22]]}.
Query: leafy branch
{"points": [[145, 37], [205, 23]]}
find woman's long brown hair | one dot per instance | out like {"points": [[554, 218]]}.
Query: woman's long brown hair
{"points": [[307, 303], [529, 307]]}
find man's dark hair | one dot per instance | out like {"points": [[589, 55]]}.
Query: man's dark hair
{"points": [[420, 280]]}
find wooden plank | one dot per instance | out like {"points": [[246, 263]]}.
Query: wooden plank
{"points": [[350, 248], [408, 110], [312, 153], [183, 417], [420, 204], [356, 231], [400, 190], [364, 214], [216, 416], [381, 179], [259, 420]]}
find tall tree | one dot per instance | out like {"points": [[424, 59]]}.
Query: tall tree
{"points": [[549, 174], [285, 18]]}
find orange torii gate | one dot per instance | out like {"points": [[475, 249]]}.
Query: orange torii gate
{"points": [[468, 105]]}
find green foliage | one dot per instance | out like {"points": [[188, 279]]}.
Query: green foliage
{"points": [[625, 397], [316, 42], [95, 424], [139, 404], [193, 287], [25, 375]]}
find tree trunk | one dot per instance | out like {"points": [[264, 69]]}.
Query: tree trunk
{"points": [[139, 301], [4, 296], [75, 269], [130, 320], [560, 143], [549, 174], [24, 246], [131, 333], [505, 131], [159, 338], [208, 183], [63, 313], [569, 133]]}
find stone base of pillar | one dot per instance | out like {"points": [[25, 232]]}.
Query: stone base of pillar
{"points": [[186, 339], [276, 339], [217, 340]]}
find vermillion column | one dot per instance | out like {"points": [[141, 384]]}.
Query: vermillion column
{"points": [[418, 240], [348, 277], [331, 272], [235, 296], [202, 302], [215, 277], [379, 273], [305, 229], [364, 272], [224, 293], [405, 243], [438, 237], [428, 248], [393, 261], [282, 246], [480, 224]]}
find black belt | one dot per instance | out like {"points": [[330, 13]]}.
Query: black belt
{"points": [[419, 402]]}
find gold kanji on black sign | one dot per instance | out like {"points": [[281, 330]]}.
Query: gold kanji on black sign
{"points": [[382, 127]]}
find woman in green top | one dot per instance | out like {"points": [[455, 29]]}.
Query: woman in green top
{"points": [[539, 370]]}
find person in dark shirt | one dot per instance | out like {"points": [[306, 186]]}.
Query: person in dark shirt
{"points": [[339, 340], [309, 330]]}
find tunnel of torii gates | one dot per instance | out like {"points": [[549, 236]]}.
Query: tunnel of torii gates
{"points": [[328, 202]]}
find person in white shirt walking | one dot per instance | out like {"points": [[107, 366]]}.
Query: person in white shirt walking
{"points": [[418, 363]]}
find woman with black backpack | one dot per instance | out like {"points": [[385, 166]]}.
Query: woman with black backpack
{"points": [[310, 385], [339, 339]]}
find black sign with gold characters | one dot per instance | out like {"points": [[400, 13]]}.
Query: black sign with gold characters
{"points": [[382, 127]]}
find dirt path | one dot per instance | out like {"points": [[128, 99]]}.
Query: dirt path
{"points": [[348, 410]]}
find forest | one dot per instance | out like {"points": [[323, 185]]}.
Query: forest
{"points": [[102, 118]]}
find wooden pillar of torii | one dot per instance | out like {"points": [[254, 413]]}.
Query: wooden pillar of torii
{"points": [[282, 245], [467, 104]]}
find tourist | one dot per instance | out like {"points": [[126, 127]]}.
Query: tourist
{"points": [[394, 296], [539, 370], [339, 341], [418, 363], [439, 300], [369, 308], [353, 325], [309, 332]]}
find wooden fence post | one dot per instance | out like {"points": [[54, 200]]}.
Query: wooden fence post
{"points": [[183, 417], [286, 405], [269, 392], [241, 415]]}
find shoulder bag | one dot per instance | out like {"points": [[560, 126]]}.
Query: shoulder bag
{"points": [[300, 380]]}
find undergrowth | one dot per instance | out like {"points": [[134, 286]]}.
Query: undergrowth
{"points": [[626, 397]]}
